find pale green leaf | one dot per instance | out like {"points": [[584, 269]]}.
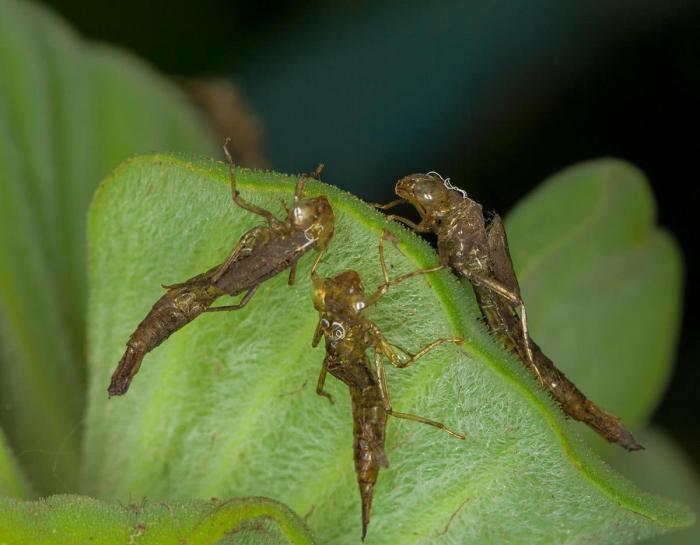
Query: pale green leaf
{"points": [[227, 406], [69, 112], [601, 282], [664, 469], [77, 520], [13, 482]]}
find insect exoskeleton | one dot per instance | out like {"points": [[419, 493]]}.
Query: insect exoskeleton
{"points": [[261, 253], [342, 293], [349, 336], [315, 217], [428, 192], [477, 249]]}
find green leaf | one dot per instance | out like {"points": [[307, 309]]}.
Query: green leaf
{"points": [[227, 405], [665, 469], [13, 482], [601, 282], [69, 112], [76, 520]]}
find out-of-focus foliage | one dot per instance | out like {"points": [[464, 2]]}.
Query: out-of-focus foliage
{"points": [[664, 470], [13, 482], [69, 112], [601, 282]]}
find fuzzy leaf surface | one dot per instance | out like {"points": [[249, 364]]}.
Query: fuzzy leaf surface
{"points": [[76, 520], [226, 407]]}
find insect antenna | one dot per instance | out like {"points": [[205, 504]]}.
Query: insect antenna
{"points": [[381, 290]]}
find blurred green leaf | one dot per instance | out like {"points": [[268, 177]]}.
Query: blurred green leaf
{"points": [[602, 283], [12, 480], [69, 112], [76, 520], [226, 406], [664, 469]]}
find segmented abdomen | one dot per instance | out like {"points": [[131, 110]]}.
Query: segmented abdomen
{"points": [[369, 434], [175, 309], [505, 324], [179, 306]]}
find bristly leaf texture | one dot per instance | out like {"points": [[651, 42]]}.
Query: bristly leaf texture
{"points": [[76, 520], [227, 406]]}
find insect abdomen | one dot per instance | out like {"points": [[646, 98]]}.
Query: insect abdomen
{"points": [[178, 307], [369, 434]]}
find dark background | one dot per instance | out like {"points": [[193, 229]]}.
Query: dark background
{"points": [[499, 94]]}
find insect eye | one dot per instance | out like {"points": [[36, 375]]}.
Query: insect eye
{"points": [[425, 190], [302, 214]]}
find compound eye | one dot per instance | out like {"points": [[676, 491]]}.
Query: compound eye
{"points": [[303, 214], [425, 191]]}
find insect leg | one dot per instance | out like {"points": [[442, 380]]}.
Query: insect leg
{"points": [[384, 390], [382, 262], [243, 302], [321, 381], [381, 290], [421, 227], [427, 421], [514, 298], [418, 272], [389, 204], [317, 281], [397, 361], [292, 274], [236, 196], [317, 335]]}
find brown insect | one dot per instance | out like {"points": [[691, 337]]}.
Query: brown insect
{"points": [[341, 302], [261, 253], [479, 252]]}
